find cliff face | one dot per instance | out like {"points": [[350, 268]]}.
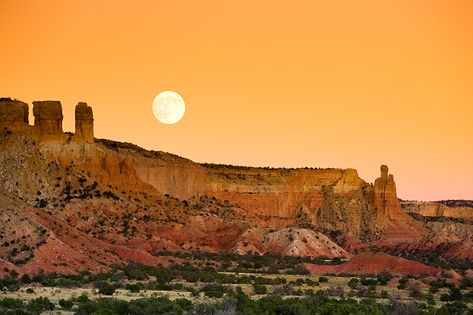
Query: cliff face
{"points": [[47, 120], [14, 115], [330, 199], [437, 209], [279, 192], [113, 194]]}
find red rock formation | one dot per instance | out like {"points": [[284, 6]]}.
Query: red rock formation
{"points": [[288, 242], [374, 263], [47, 120], [14, 115], [93, 189], [385, 197], [437, 209], [398, 226], [84, 123]]}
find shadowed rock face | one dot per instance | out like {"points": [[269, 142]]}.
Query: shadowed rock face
{"points": [[84, 123], [47, 120], [13, 114]]}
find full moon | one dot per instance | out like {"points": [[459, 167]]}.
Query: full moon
{"points": [[168, 107]]}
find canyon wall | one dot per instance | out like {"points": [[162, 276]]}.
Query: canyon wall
{"points": [[436, 209], [330, 199]]}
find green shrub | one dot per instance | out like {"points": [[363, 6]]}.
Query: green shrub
{"points": [[323, 279], [66, 304], [105, 287], [135, 287], [259, 289], [214, 290]]}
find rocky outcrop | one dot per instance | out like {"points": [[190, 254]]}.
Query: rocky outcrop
{"points": [[288, 242], [14, 115], [398, 226], [84, 123], [47, 120], [385, 197], [437, 209]]}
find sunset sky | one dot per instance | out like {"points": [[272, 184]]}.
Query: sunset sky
{"points": [[266, 83]]}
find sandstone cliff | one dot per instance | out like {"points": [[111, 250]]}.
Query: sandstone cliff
{"points": [[438, 209], [131, 202], [333, 200], [14, 115], [84, 123], [47, 120]]}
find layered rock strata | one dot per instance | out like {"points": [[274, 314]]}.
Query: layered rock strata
{"points": [[84, 123], [47, 120]]}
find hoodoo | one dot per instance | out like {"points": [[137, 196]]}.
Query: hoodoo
{"points": [[84, 123], [385, 197]]}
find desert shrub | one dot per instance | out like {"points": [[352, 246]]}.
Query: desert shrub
{"points": [[323, 279], [368, 281], [135, 287], [429, 298], [39, 305], [454, 308], [185, 304], [335, 291], [25, 278], [105, 287], [259, 289], [66, 304], [214, 290], [403, 283], [414, 291], [384, 277], [354, 283]]}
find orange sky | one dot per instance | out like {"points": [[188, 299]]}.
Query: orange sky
{"points": [[267, 83]]}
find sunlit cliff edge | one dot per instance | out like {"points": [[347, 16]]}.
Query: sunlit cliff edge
{"points": [[93, 202]]}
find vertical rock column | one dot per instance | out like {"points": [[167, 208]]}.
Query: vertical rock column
{"points": [[84, 123], [385, 197], [47, 120]]}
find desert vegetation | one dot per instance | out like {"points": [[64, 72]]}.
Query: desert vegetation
{"points": [[218, 283]]}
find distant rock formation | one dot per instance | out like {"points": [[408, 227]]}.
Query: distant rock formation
{"points": [[84, 123], [47, 120], [13, 115], [398, 226], [385, 197]]}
